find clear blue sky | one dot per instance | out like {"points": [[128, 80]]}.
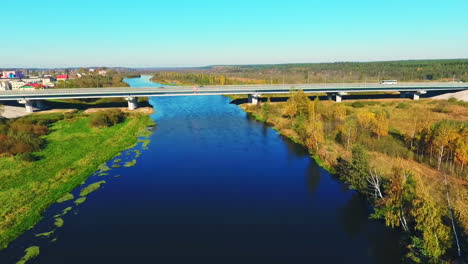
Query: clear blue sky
{"points": [[144, 33]]}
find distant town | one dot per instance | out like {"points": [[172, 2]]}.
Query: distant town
{"points": [[18, 80]]}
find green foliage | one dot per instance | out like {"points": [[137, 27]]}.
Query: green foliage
{"points": [[403, 106], [194, 79], [91, 80], [338, 72], [266, 110], [399, 195], [428, 221], [358, 104], [356, 172]]}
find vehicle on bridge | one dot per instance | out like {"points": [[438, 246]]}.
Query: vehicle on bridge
{"points": [[389, 82]]}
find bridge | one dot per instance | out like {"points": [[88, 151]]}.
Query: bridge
{"points": [[336, 90]]}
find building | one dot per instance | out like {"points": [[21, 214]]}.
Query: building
{"points": [[33, 85], [16, 84], [102, 72], [62, 77], [11, 74], [5, 85]]}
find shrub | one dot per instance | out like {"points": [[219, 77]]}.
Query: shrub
{"points": [[28, 157], [107, 118], [403, 106], [358, 104]]}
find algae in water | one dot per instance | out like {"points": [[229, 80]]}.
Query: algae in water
{"points": [[91, 188], [58, 222], [65, 198], [31, 252], [80, 200]]}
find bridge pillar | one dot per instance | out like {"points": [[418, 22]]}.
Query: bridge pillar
{"points": [[132, 103], [253, 98], [417, 94], [329, 96], [339, 97], [28, 104]]}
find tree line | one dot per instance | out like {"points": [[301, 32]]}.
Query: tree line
{"points": [[401, 197], [418, 70]]}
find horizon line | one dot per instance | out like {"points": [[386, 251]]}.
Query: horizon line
{"points": [[215, 65]]}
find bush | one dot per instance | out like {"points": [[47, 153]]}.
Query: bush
{"points": [[107, 118], [358, 104], [28, 157], [403, 106]]}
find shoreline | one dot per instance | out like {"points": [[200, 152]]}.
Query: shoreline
{"points": [[78, 161], [331, 166]]}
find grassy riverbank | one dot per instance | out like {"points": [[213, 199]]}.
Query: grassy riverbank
{"points": [[73, 150], [409, 146]]}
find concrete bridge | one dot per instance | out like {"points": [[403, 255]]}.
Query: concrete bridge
{"points": [[333, 90]]}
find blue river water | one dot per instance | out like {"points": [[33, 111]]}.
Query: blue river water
{"points": [[213, 186]]}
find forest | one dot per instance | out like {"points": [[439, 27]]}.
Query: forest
{"points": [[411, 168], [418, 70]]}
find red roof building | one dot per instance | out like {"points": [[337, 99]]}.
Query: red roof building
{"points": [[34, 85], [62, 77]]}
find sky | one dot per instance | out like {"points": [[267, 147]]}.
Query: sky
{"points": [[179, 33]]}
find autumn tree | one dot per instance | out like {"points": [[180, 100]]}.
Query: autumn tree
{"points": [[433, 236], [380, 124], [395, 205], [349, 132], [298, 103]]}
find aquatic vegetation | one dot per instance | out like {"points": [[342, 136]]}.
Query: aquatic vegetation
{"points": [[104, 168], [45, 234], [130, 163], [103, 174], [145, 142], [117, 160], [116, 166], [137, 152], [91, 188], [66, 197], [66, 210], [80, 200], [58, 222], [31, 252]]}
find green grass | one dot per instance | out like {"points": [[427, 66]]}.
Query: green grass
{"points": [[73, 152], [31, 252], [91, 188]]}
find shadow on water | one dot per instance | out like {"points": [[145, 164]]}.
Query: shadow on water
{"points": [[429, 94]]}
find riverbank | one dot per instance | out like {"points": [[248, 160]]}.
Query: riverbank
{"points": [[74, 150], [329, 130]]}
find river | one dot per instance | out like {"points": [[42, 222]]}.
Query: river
{"points": [[213, 186]]}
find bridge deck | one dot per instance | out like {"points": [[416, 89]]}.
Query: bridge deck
{"points": [[225, 90]]}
